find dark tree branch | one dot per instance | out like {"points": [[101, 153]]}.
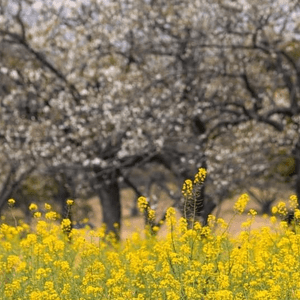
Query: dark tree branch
{"points": [[287, 111], [40, 57], [7, 190], [222, 124], [258, 101], [129, 183]]}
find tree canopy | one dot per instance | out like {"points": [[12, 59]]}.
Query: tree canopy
{"points": [[102, 86]]}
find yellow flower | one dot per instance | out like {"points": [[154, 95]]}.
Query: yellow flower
{"points": [[281, 208], [183, 225], [47, 206], [241, 203], [151, 214], [66, 289], [247, 223], [70, 202], [293, 201], [33, 206], [206, 262], [11, 202], [51, 215], [211, 221], [200, 176], [142, 204], [297, 214], [170, 216], [66, 224], [155, 228], [252, 212], [37, 214], [222, 223], [187, 188]]}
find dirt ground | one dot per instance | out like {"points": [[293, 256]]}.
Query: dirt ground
{"points": [[132, 224]]}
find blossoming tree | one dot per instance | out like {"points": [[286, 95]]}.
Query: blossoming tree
{"points": [[102, 86]]}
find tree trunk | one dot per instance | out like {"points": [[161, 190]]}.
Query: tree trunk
{"points": [[109, 194], [11, 184], [62, 197], [297, 169]]}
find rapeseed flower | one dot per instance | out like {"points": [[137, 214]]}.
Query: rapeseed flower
{"points": [[241, 203], [282, 209], [293, 201], [202, 262], [142, 203], [151, 214], [187, 188], [33, 206], [297, 214], [66, 224], [11, 202], [200, 176], [170, 217], [37, 214], [70, 202], [51, 215], [48, 206]]}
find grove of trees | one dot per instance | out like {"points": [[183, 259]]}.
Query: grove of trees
{"points": [[92, 88]]}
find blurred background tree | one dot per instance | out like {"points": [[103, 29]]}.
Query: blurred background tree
{"points": [[104, 87]]}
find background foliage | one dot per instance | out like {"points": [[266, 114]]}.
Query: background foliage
{"points": [[92, 89]]}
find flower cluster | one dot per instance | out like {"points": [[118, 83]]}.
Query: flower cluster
{"points": [[241, 203], [142, 204], [11, 202], [200, 176], [66, 224], [280, 209], [41, 262], [187, 188], [293, 201]]}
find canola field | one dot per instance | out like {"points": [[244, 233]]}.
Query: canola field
{"points": [[49, 260]]}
